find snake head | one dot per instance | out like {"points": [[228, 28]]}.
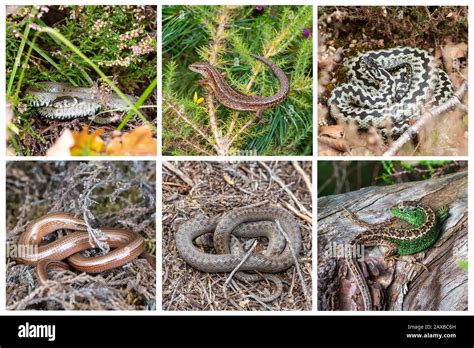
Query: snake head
{"points": [[374, 69], [65, 102], [201, 68]]}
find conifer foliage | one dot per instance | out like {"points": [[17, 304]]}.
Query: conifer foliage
{"points": [[194, 123]]}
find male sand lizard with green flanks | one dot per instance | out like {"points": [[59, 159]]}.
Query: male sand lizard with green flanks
{"points": [[424, 229]]}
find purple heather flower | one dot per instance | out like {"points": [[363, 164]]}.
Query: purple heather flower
{"points": [[306, 32], [260, 8]]}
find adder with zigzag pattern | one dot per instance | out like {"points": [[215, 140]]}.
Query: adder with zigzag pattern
{"points": [[388, 88]]}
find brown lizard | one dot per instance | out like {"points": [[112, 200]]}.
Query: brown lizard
{"points": [[235, 100]]}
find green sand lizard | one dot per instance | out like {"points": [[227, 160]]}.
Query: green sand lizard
{"points": [[425, 224]]}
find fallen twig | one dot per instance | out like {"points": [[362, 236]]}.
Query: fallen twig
{"points": [[179, 173], [298, 270], [303, 174], [454, 101], [284, 186]]}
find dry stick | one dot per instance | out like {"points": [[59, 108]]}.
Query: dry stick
{"points": [[298, 270], [303, 174], [287, 190], [180, 113], [179, 173], [239, 132], [211, 110], [198, 148], [306, 218], [244, 258], [178, 283], [215, 47], [428, 115]]}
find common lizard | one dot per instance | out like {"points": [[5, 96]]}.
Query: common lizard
{"points": [[235, 100], [424, 229]]}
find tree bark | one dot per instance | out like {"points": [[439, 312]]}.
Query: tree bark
{"points": [[401, 284]]}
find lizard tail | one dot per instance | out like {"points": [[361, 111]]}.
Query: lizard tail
{"points": [[284, 83], [360, 279]]}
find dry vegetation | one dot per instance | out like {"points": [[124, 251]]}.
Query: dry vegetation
{"points": [[198, 189], [347, 31], [112, 194]]}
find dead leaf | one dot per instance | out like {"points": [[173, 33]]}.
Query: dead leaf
{"points": [[452, 52], [228, 179], [86, 144], [138, 142]]}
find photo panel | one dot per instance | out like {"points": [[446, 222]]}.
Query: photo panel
{"points": [[81, 80], [237, 236], [392, 80], [237, 80], [392, 235], [81, 235]]}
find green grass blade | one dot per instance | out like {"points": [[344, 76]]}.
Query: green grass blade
{"points": [[139, 103], [26, 33]]}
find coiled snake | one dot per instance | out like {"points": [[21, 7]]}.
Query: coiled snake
{"points": [[60, 101], [389, 88], [127, 246], [248, 223]]}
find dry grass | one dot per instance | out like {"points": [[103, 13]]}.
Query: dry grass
{"points": [[117, 194], [193, 189]]}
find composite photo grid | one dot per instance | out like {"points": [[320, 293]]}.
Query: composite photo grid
{"points": [[190, 158]]}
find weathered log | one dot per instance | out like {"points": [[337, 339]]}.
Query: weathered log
{"points": [[395, 285]]}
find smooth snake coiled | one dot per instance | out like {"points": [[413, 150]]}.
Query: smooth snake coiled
{"points": [[250, 222]]}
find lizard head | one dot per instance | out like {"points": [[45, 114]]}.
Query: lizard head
{"points": [[201, 68], [410, 212]]}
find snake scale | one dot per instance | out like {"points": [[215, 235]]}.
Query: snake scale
{"points": [[250, 222], [389, 88], [60, 101]]}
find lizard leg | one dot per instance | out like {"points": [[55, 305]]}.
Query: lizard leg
{"points": [[204, 83], [442, 214], [261, 119], [390, 248]]}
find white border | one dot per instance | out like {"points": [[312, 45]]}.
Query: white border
{"points": [[160, 159]]}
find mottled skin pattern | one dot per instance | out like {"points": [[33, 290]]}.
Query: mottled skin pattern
{"points": [[423, 232], [235, 100], [248, 223]]}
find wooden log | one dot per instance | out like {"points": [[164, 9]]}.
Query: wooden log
{"points": [[395, 285]]}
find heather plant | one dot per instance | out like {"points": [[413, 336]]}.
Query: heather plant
{"points": [[112, 48]]}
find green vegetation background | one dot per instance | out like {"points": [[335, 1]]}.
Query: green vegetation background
{"points": [[336, 177], [188, 32], [120, 40]]}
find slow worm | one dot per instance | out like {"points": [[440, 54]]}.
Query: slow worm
{"points": [[126, 246]]}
